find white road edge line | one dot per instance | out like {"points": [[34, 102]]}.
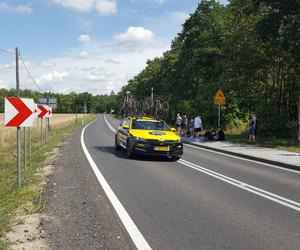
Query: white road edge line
{"points": [[263, 193], [109, 125], [136, 236], [244, 159]]}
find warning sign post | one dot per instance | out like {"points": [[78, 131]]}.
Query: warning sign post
{"points": [[219, 100]]}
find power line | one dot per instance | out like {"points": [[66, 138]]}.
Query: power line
{"points": [[7, 52], [28, 72]]}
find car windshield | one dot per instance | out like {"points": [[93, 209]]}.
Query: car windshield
{"points": [[150, 125]]}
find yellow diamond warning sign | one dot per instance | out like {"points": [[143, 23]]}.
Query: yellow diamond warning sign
{"points": [[220, 98]]}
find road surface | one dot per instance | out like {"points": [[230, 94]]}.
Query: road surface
{"points": [[204, 201]]}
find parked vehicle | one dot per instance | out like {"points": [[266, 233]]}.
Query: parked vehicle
{"points": [[148, 136]]}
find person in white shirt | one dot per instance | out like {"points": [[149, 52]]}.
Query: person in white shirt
{"points": [[197, 126], [178, 124]]}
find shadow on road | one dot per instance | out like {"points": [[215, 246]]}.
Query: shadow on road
{"points": [[121, 154]]}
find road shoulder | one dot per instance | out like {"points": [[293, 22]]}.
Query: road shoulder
{"points": [[79, 215], [265, 155]]}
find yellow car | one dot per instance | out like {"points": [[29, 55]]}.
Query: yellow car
{"points": [[146, 135]]}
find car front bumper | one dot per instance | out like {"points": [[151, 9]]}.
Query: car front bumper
{"points": [[164, 149]]}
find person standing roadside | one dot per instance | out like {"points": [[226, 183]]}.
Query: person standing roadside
{"points": [[184, 125], [178, 124], [191, 127], [252, 127], [197, 126]]}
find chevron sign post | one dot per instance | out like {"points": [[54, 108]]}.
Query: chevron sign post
{"points": [[49, 115], [18, 112], [42, 112]]}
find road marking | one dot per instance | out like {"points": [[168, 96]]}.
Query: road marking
{"points": [[136, 236], [109, 125], [263, 193], [244, 159]]}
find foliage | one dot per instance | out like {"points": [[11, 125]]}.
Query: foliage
{"points": [[248, 48], [68, 103]]}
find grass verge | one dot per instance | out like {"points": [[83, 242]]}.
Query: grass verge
{"points": [[269, 142], [11, 197]]}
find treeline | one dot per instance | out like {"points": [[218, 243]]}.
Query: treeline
{"points": [[68, 103], [248, 48]]}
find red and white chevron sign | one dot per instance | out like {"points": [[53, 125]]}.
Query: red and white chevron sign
{"points": [[18, 112], [42, 111], [35, 111], [49, 115]]}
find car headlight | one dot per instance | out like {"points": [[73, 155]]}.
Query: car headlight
{"points": [[138, 139]]}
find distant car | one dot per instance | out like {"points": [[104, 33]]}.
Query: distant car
{"points": [[148, 136]]}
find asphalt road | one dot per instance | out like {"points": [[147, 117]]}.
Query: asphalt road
{"points": [[204, 201]]}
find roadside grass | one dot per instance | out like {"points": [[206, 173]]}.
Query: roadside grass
{"points": [[239, 136], [11, 197]]}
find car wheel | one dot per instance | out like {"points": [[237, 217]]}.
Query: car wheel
{"points": [[128, 150], [117, 147]]}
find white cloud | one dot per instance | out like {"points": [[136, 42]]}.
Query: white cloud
{"points": [[159, 2], [78, 5], [134, 34], [109, 60], [47, 64], [178, 16], [19, 9], [106, 67], [98, 74], [136, 38], [105, 7], [84, 38], [83, 55], [52, 77]]}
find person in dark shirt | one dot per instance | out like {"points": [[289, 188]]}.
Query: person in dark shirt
{"points": [[221, 135], [208, 136]]}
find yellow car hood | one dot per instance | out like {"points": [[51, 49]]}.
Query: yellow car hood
{"points": [[154, 134]]}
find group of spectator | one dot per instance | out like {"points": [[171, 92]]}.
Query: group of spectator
{"points": [[193, 126]]}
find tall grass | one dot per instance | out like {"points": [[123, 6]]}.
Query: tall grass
{"points": [[8, 135], [11, 197]]}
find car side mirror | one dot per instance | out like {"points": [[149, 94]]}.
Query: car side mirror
{"points": [[173, 130], [125, 126]]}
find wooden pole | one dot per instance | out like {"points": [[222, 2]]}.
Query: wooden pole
{"points": [[25, 149], [18, 128], [299, 117], [219, 116]]}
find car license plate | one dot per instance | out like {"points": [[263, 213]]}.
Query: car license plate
{"points": [[161, 148]]}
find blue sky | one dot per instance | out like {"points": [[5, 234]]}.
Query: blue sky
{"points": [[86, 45]]}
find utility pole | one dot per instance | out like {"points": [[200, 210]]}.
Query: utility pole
{"points": [[76, 112], [18, 128], [25, 149], [299, 117], [48, 119], [219, 116]]}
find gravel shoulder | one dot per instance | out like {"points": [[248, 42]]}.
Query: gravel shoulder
{"points": [[78, 214]]}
